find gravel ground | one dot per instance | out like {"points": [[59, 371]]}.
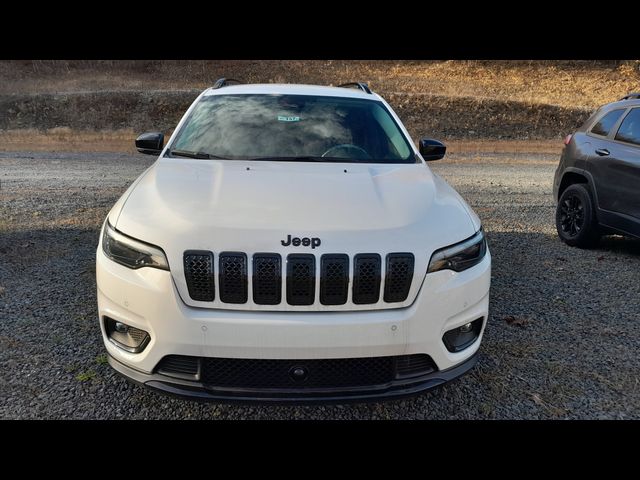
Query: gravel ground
{"points": [[561, 341]]}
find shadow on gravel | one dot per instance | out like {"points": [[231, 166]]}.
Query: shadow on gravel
{"points": [[48, 280], [563, 327], [619, 244], [532, 268], [49, 248]]}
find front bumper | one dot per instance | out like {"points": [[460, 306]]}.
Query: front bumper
{"points": [[199, 391], [147, 299]]}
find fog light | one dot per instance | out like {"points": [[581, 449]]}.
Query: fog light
{"points": [[125, 336], [462, 337], [121, 327], [463, 329]]}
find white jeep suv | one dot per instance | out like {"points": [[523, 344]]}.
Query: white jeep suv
{"points": [[291, 244]]}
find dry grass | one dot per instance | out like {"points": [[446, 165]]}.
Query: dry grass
{"points": [[67, 140], [550, 147], [564, 83], [121, 141]]}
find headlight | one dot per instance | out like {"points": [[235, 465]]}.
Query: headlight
{"points": [[130, 252], [460, 256]]}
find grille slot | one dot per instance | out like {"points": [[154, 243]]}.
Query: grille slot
{"points": [[301, 279], [334, 279], [321, 373], [414, 365], [180, 366], [267, 278], [233, 277], [198, 272], [366, 278], [398, 277]]}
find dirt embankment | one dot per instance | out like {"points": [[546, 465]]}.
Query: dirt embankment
{"points": [[449, 100], [437, 116]]}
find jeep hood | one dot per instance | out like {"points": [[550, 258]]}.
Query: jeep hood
{"points": [[250, 206]]}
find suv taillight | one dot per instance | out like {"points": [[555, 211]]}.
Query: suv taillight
{"points": [[567, 139]]}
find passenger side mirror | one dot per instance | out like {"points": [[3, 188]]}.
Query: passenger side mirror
{"points": [[432, 149], [150, 143]]}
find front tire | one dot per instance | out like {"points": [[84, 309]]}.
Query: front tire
{"points": [[575, 217]]}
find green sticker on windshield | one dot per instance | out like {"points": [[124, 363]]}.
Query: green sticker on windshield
{"points": [[288, 119]]}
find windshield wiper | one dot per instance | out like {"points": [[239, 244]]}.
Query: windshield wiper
{"points": [[189, 154], [308, 158], [301, 158]]}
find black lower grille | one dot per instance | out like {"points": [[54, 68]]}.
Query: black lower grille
{"points": [[301, 279], [398, 277], [267, 278], [342, 372], [366, 278], [198, 272], [295, 374], [233, 277], [180, 366], [414, 365], [334, 279]]}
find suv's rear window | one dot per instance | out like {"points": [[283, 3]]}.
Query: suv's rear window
{"points": [[293, 127], [606, 123], [629, 130]]}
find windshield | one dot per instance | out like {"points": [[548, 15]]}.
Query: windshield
{"points": [[292, 127]]}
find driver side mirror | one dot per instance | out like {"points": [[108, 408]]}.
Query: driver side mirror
{"points": [[150, 143], [432, 149]]}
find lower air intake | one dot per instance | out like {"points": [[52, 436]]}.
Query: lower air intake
{"points": [[414, 365], [241, 373], [180, 366], [341, 372]]}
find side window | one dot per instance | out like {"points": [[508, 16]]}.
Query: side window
{"points": [[629, 130], [606, 123]]}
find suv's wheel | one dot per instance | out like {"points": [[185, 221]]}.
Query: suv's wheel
{"points": [[575, 217]]}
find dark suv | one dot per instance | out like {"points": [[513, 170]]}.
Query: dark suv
{"points": [[597, 184]]}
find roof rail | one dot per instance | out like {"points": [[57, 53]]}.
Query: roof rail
{"points": [[223, 82], [630, 96], [361, 85]]}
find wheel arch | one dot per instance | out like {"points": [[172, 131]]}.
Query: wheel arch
{"points": [[572, 176]]}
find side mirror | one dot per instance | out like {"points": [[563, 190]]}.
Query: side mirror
{"points": [[432, 149], [150, 143]]}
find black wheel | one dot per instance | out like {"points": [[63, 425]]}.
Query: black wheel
{"points": [[575, 217]]}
